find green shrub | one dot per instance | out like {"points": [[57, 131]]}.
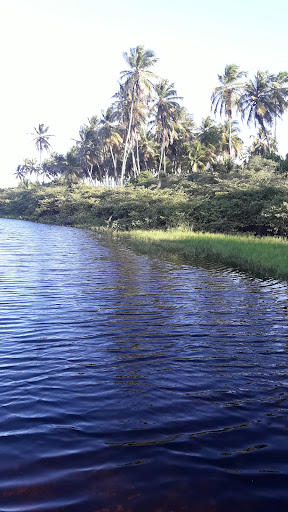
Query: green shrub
{"points": [[251, 200]]}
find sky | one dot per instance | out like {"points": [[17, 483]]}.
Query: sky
{"points": [[61, 59]]}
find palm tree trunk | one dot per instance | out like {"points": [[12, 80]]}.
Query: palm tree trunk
{"points": [[90, 174], [128, 153], [116, 179], [161, 157], [40, 165], [164, 161], [125, 156], [137, 154], [266, 136], [100, 172], [114, 163], [134, 163], [174, 166], [135, 169], [230, 136]]}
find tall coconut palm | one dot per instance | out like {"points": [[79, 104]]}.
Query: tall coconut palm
{"points": [[258, 102], [121, 113], [225, 97], [42, 140], [138, 81], [167, 111]]}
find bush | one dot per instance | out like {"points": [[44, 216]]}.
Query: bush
{"points": [[253, 199]]}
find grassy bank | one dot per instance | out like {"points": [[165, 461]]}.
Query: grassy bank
{"points": [[123, 211], [265, 257]]}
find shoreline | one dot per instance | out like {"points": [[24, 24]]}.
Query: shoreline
{"points": [[264, 257]]}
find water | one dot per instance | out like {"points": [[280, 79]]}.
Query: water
{"points": [[131, 384]]}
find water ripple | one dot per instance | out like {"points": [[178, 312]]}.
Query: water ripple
{"points": [[129, 383]]}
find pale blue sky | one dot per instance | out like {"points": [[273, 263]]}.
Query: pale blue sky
{"points": [[61, 59]]}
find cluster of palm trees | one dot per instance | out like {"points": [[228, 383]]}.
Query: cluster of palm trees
{"points": [[261, 100], [147, 129]]}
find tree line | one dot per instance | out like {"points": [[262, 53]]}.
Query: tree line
{"points": [[147, 128]]}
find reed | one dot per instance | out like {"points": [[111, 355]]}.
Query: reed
{"points": [[261, 256]]}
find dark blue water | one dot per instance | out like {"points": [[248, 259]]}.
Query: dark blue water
{"points": [[132, 384]]}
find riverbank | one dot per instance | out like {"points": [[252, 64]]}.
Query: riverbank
{"points": [[239, 218], [252, 200], [263, 257]]}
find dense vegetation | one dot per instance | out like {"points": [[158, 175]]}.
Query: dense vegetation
{"points": [[249, 199], [147, 128]]}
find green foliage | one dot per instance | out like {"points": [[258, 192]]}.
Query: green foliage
{"points": [[144, 179], [282, 162], [252, 199], [257, 164], [284, 165]]}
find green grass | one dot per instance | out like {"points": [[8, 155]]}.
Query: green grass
{"points": [[265, 257]]}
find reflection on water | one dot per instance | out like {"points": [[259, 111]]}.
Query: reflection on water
{"points": [[131, 384]]}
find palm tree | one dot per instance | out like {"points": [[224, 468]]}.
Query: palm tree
{"points": [[167, 112], [261, 146], [148, 149], [225, 97], [210, 134], [54, 167], [279, 96], [110, 136], [89, 148], [28, 167], [185, 125], [184, 137], [72, 172], [21, 172], [230, 141], [121, 113], [138, 86], [122, 105], [258, 102], [199, 156], [42, 140]]}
